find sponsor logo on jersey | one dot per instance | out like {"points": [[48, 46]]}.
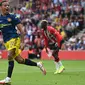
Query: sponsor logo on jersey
{"points": [[9, 19]]}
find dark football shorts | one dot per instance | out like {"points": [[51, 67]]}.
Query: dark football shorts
{"points": [[54, 46]]}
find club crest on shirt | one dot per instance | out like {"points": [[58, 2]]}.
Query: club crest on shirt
{"points": [[9, 19]]}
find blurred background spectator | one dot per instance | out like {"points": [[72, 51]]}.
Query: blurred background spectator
{"points": [[67, 16]]}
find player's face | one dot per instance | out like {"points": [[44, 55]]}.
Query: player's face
{"points": [[5, 8], [44, 26]]}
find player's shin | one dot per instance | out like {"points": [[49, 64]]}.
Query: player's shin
{"points": [[38, 64], [61, 67], [57, 66], [29, 62], [60, 63], [10, 68], [7, 80]]}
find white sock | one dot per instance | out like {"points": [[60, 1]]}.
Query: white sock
{"points": [[39, 64], [59, 63], [8, 78]]}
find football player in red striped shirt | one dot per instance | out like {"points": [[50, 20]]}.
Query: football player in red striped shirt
{"points": [[53, 41]]}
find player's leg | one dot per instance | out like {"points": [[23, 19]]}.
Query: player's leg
{"points": [[20, 60], [7, 80], [29, 62], [55, 50], [11, 62], [11, 47], [58, 63]]}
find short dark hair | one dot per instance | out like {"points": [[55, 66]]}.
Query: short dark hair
{"points": [[2, 2], [44, 23]]}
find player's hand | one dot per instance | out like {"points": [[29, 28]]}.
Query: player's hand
{"points": [[22, 46], [49, 52]]}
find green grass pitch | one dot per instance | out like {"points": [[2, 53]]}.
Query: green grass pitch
{"points": [[74, 74]]}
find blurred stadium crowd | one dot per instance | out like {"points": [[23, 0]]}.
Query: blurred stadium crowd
{"points": [[66, 16]]}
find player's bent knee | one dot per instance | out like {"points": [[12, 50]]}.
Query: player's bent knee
{"points": [[11, 54], [21, 61], [10, 58]]}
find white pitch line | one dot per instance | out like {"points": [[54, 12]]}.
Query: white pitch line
{"points": [[2, 72], [68, 70]]}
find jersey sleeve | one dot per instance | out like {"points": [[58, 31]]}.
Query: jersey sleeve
{"points": [[15, 20], [45, 38]]}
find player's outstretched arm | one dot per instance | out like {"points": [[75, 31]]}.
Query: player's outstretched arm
{"points": [[22, 33]]}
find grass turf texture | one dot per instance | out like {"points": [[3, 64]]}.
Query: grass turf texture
{"points": [[26, 75]]}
